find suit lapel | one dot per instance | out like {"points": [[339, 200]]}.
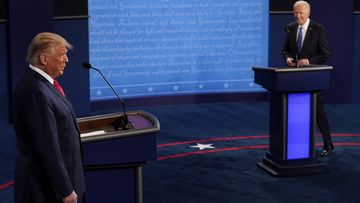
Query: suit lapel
{"points": [[55, 91], [308, 37], [66, 101], [63, 98], [293, 32]]}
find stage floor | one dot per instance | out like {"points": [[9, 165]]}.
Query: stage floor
{"points": [[208, 153]]}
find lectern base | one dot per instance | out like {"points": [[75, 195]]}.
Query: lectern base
{"points": [[291, 167]]}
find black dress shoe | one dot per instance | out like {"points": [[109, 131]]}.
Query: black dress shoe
{"points": [[326, 152]]}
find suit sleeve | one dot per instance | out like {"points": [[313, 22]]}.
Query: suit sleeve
{"points": [[41, 121], [285, 50], [323, 49], [286, 53]]}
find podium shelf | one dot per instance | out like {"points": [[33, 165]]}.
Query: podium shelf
{"points": [[142, 123]]}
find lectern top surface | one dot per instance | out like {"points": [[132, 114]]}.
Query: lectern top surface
{"points": [[294, 69], [101, 127]]}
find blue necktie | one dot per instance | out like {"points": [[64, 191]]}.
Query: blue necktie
{"points": [[299, 39]]}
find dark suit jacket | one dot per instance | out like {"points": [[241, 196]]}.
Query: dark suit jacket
{"points": [[49, 164], [315, 46], [316, 49]]}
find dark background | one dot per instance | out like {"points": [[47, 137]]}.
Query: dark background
{"points": [[356, 5], [2, 9], [284, 5], [79, 7], [70, 8]]}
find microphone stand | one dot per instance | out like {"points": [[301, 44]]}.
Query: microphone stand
{"points": [[297, 61], [123, 121]]}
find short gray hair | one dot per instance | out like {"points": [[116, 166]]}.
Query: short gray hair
{"points": [[42, 43], [305, 3]]}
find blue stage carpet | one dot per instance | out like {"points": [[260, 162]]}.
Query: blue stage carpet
{"points": [[235, 137]]}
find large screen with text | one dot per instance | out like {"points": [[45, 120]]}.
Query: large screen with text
{"points": [[174, 47]]}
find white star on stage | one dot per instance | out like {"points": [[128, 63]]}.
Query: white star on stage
{"points": [[98, 92], [203, 146], [125, 90]]}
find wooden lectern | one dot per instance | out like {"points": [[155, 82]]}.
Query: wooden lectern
{"points": [[113, 158], [292, 99]]}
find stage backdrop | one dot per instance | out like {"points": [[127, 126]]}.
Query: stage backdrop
{"points": [[153, 48]]}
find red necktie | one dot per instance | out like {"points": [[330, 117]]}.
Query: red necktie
{"points": [[58, 87]]}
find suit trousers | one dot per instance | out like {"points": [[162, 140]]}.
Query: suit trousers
{"points": [[322, 121]]}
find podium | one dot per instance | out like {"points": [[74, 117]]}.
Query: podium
{"points": [[113, 159], [292, 98]]}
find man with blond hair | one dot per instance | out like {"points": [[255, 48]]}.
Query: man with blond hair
{"points": [[49, 164]]}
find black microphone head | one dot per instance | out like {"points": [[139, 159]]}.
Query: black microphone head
{"points": [[87, 65]]}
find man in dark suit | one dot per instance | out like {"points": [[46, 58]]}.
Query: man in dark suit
{"points": [[306, 43], [49, 163]]}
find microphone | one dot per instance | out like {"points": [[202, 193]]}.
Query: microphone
{"points": [[123, 121]]}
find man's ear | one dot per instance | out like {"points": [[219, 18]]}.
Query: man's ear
{"points": [[43, 59]]}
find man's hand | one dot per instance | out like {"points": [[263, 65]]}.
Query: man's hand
{"points": [[303, 62], [290, 62], [72, 198]]}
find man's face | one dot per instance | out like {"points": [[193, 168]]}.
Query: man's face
{"points": [[56, 60], [301, 14]]}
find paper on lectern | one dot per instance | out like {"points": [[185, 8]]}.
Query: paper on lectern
{"points": [[98, 132]]}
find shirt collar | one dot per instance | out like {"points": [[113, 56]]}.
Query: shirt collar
{"points": [[41, 72], [305, 25]]}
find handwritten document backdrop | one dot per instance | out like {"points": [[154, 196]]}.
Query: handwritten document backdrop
{"points": [[165, 47]]}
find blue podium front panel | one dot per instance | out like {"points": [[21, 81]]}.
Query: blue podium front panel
{"points": [[298, 125]]}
